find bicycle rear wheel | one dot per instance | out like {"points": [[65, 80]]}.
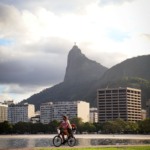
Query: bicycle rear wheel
{"points": [[71, 141], [57, 140]]}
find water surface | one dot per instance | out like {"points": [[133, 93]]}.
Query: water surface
{"points": [[22, 141]]}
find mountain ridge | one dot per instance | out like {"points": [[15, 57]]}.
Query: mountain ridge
{"points": [[80, 73], [84, 76], [126, 67]]}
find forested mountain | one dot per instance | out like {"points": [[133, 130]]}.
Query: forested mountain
{"points": [[83, 77], [81, 73]]}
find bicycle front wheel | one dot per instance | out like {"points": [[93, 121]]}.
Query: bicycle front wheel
{"points": [[57, 141], [71, 141]]}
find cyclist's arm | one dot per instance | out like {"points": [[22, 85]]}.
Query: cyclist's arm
{"points": [[69, 125]]}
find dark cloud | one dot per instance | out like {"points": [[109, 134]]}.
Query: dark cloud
{"points": [[53, 45], [37, 64], [36, 71]]}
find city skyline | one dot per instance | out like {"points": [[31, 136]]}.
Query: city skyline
{"points": [[36, 36]]}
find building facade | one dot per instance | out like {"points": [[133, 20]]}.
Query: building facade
{"points": [[20, 113], [124, 103], [46, 112], [54, 111], [3, 112], [9, 102], [93, 115], [143, 114]]}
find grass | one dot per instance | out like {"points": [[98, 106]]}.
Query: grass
{"points": [[101, 148]]}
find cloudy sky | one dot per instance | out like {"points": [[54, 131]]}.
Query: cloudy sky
{"points": [[36, 36]]}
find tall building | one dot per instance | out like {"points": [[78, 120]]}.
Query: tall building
{"points": [[3, 112], [54, 111], [93, 115], [124, 103], [20, 112], [46, 113]]}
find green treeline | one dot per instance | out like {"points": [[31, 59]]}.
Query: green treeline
{"points": [[116, 126]]}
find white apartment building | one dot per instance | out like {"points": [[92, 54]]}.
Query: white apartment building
{"points": [[20, 112], [93, 115], [71, 109], [3, 112], [46, 112]]}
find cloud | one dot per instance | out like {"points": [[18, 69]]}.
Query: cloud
{"points": [[58, 7], [106, 58], [146, 36], [117, 35], [106, 2], [51, 45], [10, 22], [36, 36], [38, 69], [5, 96], [17, 93]]}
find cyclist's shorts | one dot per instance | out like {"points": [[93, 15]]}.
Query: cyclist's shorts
{"points": [[64, 131]]}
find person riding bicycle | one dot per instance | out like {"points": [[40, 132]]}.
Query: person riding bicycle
{"points": [[65, 128]]}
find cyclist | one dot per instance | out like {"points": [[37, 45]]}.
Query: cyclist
{"points": [[65, 128]]}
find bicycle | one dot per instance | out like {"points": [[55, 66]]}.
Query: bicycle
{"points": [[58, 141]]}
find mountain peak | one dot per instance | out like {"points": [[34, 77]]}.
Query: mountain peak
{"points": [[75, 47], [80, 68], [75, 51]]}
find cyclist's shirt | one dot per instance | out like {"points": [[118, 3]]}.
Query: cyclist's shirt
{"points": [[64, 124]]}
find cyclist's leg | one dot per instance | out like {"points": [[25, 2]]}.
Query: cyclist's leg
{"points": [[65, 133], [63, 137], [62, 134], [70, 134]]}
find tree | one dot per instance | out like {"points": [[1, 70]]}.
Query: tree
{"points": [[89, 127], [131, 127], [116, 126], [52, 126], [108, 127], [98, 126], [5, 127], [22, 127], [144, 126], [120, 125]]}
